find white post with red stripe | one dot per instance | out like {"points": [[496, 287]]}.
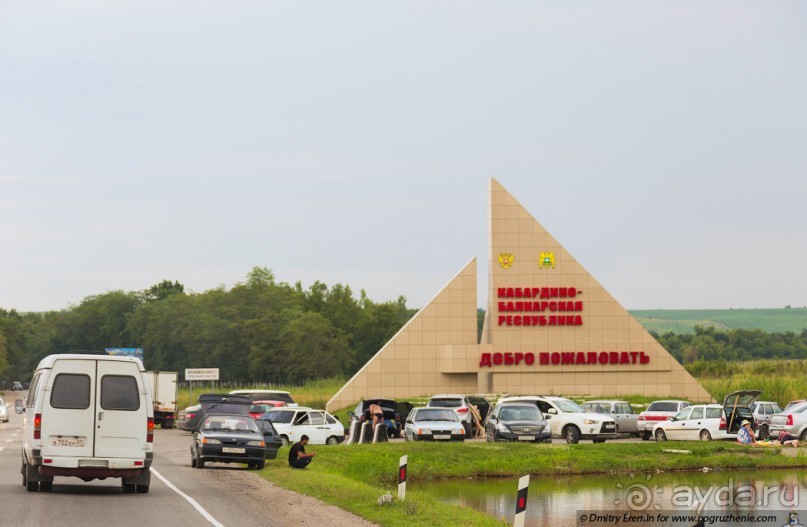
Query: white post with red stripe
{"points": [[402, 478], [521, 501]]}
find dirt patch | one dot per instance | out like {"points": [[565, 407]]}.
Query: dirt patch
{"points": [[284, 507]]}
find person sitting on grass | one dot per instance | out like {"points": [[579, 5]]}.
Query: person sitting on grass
{"points": [[745, 435], [297, 456], [786, 439]]}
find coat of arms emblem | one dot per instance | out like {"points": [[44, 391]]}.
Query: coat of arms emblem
{"points": [[506, 260], [546, 261]]}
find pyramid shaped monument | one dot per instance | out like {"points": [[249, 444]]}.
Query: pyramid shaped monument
{"points": [[550, 329]]}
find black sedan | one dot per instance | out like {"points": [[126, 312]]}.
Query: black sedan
{"points": [[229, 438], [517, 422]]}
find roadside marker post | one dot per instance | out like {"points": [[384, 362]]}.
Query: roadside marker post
{"points": [[402, 478], [521, 501]]}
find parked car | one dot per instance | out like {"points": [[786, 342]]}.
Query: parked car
{"points": [[3, 411], [267, 395], [794, 403], [395, 413], [16, 386], [737, 406], [292, 423], [189, 418], [656, 412], [517, 422], [698, 422], [433, 424], [704, 423], [228, 438], [461, 404], [569, 420], [792, 420], [763, 411], [259, 408], [626, 419]]}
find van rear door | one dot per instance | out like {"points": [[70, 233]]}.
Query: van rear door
{"points": [[68, 410], [121, 413]]}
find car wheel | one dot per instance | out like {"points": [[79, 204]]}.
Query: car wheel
{"points": [[571, 434], [600, 440], [802, 437], [45, 486], [284, 441], [130, 488], [489, 436], [660, 435], [260, 465], [764, 432], [332, 441], [646, 436], [705, 435], [142, 489], [193, 461]]}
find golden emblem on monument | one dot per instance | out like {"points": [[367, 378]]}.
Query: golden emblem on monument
{"points": [[506, 260], [546, 261]]}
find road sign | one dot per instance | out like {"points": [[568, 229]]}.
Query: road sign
{"points": [[201, 374]]}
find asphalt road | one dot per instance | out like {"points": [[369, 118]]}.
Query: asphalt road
{"points": [[218, 490]]}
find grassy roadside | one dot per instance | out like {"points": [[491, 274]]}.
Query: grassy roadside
{"points": [[353, 477]]}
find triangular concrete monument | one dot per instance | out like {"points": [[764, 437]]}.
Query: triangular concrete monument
{"points": [[550, 328]]}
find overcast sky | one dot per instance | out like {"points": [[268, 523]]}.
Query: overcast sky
{"points": [[664, 144]]}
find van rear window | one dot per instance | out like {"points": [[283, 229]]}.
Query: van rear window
{"points": [[70, 391], [119, 392]]}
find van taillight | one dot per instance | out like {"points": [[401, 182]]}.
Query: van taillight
{"points": [[722, 423], [38, 426], [789, 420], [150, 430]]}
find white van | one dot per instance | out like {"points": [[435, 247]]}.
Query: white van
{"points": [[87, 416]]}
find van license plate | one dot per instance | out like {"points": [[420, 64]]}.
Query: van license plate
{"points": [[230, 450], [526, 438], [442, 436], [69, 442]]}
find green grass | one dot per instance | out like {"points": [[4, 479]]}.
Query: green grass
{"points": [[685, 320], [353, 477], [313, 393]]}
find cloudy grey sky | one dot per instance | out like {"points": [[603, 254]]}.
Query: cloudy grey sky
{"points": [[663, 143]]}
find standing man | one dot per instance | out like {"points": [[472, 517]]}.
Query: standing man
{"points": [[377, 413], [297, 456]]}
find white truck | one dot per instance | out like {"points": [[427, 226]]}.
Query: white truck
{"points": [[164, 394]]}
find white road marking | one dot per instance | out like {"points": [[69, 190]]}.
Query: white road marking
{"points": [[9, 440], [190, 500]]}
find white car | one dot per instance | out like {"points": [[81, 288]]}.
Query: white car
{"points": [[458, 403], [3, 411], [292, 423], [702, 422], [433, 424], [569, 420]]}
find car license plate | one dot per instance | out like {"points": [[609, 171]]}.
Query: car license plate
{"points": [[526, 438], [68, 441], [231, 450], [442, 436], [608, 427]]}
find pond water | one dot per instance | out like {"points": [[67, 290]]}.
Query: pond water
{"points": [[562, 500]]}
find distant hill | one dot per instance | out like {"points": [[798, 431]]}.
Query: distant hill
{"points": [[685, 320]]}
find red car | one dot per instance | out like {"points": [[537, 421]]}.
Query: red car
{"points": [[259, 408]]}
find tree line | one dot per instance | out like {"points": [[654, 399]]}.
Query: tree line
{"points": [[260, 330], [708, 344], [266, 331]]}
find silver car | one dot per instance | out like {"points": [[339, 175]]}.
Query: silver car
{"points": [[793, 421], [626, 419], [763, 412], [3, 411], [433, 424]]}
